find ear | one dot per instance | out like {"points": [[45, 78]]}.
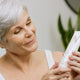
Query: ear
{"points": [[2, 44]]}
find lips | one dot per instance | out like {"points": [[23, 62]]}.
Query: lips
{"points": [[30, 42]]}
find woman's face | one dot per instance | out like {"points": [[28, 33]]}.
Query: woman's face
{"points": [[21, 38]]}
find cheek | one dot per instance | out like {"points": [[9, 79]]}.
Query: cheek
{"points": [[15, 40], [18, 41]]}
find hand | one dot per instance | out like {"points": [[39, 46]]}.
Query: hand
{"points": [[77, 77], [56, 73], [74, 62]]}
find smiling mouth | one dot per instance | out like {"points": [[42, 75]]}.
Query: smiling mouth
{"points": [[31, 42]]}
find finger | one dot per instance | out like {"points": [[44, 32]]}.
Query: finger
{"points": [[75, 58], [64, 78], [73, 63], [59, 76], [62, 54], [59, 70], [76, 53], [77, 78], [75, 69], [45, 77], [55, 65]]}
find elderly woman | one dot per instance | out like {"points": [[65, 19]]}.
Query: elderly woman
{"points": [[22, 60]]}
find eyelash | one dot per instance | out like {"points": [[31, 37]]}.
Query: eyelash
{"points": [[28, 23], [16, 32]]}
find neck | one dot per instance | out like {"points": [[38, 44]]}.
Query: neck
{"points": [[21, 62]]}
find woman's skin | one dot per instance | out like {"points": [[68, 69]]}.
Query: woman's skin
{"points": [[22, 60]]}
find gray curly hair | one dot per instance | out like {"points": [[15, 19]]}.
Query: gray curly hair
{"points": [[10, 13]]}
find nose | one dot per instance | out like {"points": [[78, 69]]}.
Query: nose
{"points": [[28, 32]]}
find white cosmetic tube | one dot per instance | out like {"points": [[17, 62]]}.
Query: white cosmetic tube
{"points": [[73, 46], [1, 77]]}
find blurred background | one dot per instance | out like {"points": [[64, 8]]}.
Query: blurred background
{"points": [[44, 14]]}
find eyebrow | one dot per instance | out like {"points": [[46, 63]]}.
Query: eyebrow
{"points": [[19, 26]]}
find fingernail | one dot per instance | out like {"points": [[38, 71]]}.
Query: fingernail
{"points": [[70, 56], [74, 53], [68, 62], [69, 66], [63, 54], [56, 62]]}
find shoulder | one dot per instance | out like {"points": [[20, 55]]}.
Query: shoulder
{"points": [[40, 55], [57, 55]]}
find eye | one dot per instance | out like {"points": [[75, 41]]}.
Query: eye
{"points": [[28, 23], [17, 31]]}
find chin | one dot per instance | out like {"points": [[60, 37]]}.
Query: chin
{"points": [[33, 47]]}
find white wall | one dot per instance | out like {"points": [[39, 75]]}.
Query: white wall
{"points": [[44, 14]]}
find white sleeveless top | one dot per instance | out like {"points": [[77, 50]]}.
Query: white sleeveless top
{"points": [[49, 58], [1, 77]]}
